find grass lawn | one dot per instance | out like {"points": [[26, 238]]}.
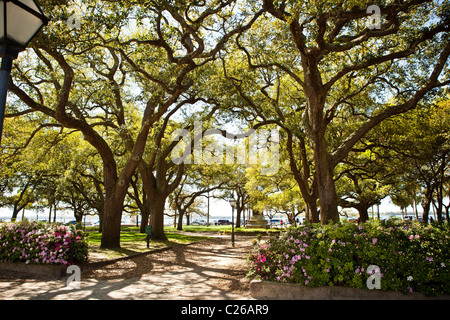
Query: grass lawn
{"points": [[133, 242], [223, 229]]}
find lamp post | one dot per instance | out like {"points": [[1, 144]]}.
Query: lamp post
{"points": [[233, 205], [20, 21]]}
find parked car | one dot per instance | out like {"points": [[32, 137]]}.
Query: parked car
{"points": [[199, 223], [223, 222], [274, 222]]}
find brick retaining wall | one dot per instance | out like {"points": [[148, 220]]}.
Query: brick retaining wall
{"points": [[47, 271], [266, 290]]}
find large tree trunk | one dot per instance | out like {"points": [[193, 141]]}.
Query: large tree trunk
{"points": [[328, 201], [113, 215], [156, 202], [145, 213], [426, 203], [111, 225], [311, 213], [180, 220], [303, 177], [239, 208], [440, 188], [115, 192], [238, 216], [363, 213], [15, 212], [17, 206], [157, 217], [324, 171], [426, 210], [101, 215]]}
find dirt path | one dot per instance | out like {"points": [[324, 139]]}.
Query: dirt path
{"points": [[211, 269]]}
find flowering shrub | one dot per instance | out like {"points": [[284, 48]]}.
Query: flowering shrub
{"points": [[411, 257], [40, 243]]}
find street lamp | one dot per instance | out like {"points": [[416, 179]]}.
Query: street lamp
{"points": [[20, 21], [233, 205]]}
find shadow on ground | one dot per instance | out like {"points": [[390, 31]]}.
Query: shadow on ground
{"points": [[211, 269]]}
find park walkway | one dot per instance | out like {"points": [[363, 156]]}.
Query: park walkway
{"points": [[210, 269]]}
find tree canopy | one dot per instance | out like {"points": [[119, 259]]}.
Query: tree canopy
{"points": [[97, 96]]}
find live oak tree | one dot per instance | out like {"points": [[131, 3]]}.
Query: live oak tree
{"points": [[25, 174], [235, 181], [333, 64], [188, 32], [45, 164], [198, 181], [138, 201], [361, 187], [276, 194], [78, 184], [365, 176], [129, 66], [74, 81], [124, 56], [417, 144]]}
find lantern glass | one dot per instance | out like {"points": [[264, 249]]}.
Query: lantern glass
{"points": [[30, 4], [21, 23]]}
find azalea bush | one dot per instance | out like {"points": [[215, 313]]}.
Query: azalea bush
{"points": [[41, 243], [411, 257]]}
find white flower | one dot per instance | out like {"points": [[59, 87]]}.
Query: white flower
{"points": [[410, 278], [442, 265]]}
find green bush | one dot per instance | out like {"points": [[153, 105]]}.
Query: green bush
{"points": [[41, 243], [411, 257]]}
